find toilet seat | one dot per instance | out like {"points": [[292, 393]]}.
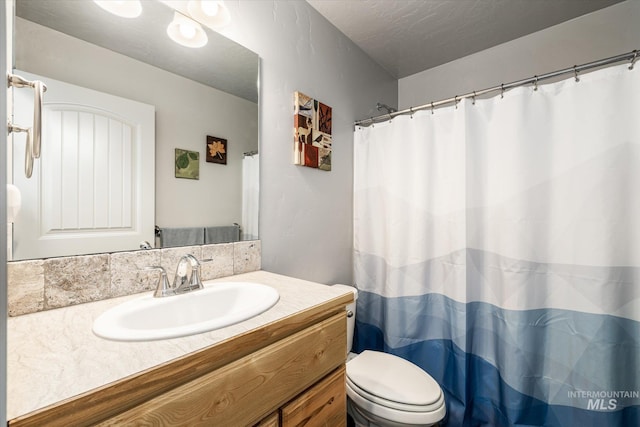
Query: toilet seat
{"points": [[390, 378], [392, 404], [401, 392], [395, 417]]}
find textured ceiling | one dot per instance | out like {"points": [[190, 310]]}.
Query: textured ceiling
{"points": [[409, 36]]}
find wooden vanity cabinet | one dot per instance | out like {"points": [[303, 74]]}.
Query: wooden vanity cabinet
{"points": [[242, 392], [287, 374], [324, 404]]}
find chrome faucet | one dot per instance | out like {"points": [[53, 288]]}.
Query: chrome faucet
{"points": [[184, 282], [187, 278]]}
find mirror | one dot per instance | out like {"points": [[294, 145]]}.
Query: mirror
{"points": [[211, 91]]}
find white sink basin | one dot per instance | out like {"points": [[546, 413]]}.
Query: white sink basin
{"points": [[218, 305]]}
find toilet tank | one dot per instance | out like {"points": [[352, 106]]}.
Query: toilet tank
{"points": [[351, 314]]}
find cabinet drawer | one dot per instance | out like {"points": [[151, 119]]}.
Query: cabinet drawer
{"points": [[246, 390], [272, 420], [324, 404]]}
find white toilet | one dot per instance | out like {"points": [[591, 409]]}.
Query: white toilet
{"points": [[387, 391]]}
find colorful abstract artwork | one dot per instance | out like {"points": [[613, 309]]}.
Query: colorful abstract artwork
{"points": [[187, 164], [312, 133], [216, 150]]}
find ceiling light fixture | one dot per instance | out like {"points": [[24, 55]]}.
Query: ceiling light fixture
{"points": [[123, 8], [212, 13], [186, 31]]}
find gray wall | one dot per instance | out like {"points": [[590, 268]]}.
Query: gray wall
{"points": [[186, 112], [601, 34], [306, 214]]}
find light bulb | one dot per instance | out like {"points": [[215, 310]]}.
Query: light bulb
{"points": [[209, 7], [187, 31], [212, 13]]}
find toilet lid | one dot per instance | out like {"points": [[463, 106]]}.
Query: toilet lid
{"points": [[393, 379]]}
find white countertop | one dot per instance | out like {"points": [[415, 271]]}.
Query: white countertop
{"points": [[53, 355]]}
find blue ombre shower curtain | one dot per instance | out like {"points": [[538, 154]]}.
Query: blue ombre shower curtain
{"points": [[497, 246]]}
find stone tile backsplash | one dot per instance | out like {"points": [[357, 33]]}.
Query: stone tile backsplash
{"points": [[25, 287], [246, 257], [44, 284], [75, 280]]}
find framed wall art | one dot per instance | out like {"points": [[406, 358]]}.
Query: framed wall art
{"points": [[187, 164], [216, 150], [312, 133]]}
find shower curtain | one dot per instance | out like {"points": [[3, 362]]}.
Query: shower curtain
{"points": [[250, 196], [497, 246]]}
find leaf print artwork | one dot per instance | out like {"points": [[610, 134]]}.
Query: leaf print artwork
{"points": [[216, 150], [182, 161], [187, 164]]}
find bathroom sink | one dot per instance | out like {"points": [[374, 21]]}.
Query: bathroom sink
{"points": [[218, 305]]}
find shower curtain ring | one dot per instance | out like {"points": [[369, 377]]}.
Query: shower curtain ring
{"points": [[455, 101], [501, 90], [575, 72], [634, 59], [473, 98], [432, 108], [535, 83], [411, 111]]}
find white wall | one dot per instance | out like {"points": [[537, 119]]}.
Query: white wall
{"points": [[601, 34], [306, 214], [186, 112]]}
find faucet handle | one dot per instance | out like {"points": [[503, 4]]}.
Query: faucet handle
{"points": [[164, 288], [196, 280]]}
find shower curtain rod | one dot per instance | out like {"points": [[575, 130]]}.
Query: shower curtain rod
{"points": [[576, 69]]}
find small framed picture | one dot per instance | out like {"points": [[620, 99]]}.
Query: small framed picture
{"points": [[216, 150], [187, 164]]}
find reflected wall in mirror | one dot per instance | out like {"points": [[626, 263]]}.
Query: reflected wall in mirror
{"points": [[212, 90]]}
